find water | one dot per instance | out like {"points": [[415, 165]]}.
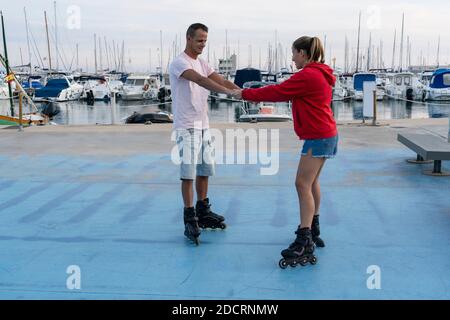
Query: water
{"points": [[80, 113]]}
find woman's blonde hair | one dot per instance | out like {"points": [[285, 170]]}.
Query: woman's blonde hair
{"points": [[312, 46]]}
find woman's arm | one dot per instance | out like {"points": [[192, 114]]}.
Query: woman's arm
{"points": [[295, 86]]}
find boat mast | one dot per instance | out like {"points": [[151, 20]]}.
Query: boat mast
{"points": [[438, 49], [11, 102], [160, 52], [408, 53], [21, 56], [48, 43], [393, 50], [238, 53], [123, 56], [357, 47], [381, 55], [95, 53], [150, 59], [226, 44], [100, 53], [276, 53], [346, 55], [401, 44], [56, 38], [28, 39], [107, 53], [259, 58], [114, 56], [369, 55]]}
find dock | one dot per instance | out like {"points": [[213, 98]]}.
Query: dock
{"points": [[106, 199]]}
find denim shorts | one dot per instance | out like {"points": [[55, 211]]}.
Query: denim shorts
{"points": [[321, 148], [196, 153]]}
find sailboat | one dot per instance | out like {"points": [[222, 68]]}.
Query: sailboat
{"points": [[32, 118]]}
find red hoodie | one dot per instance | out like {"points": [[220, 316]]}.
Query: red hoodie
{"points": [[311, 92]]}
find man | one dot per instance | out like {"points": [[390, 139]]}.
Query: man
{"points": [[190, 78]]}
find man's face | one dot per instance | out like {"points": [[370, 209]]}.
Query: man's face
{"points": [[198, 42]]}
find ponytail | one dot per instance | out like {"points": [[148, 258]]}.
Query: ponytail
{"points": [[312, 46], [317, 51]]}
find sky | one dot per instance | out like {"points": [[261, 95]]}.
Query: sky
{"points": [[250, 26]]}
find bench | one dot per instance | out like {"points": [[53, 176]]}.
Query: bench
{"points": [[428, 147]]}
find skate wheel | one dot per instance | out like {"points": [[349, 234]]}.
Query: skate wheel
{"points": [[223, 226], [293, 264], [313, 261], [282, 264], [303, 262]]}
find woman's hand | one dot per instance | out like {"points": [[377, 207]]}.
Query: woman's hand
{"points": [[236, 94]]}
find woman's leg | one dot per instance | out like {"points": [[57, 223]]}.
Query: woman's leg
{"points": [[316, 190], [308, 170]]}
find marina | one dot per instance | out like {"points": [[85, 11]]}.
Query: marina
{"points": [[101, 198], [80, 113], [95, 106]]}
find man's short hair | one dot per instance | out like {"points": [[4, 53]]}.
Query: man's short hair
{"points": [[194, 27]]}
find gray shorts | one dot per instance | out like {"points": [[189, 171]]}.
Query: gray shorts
{"points": [[196, 152]]}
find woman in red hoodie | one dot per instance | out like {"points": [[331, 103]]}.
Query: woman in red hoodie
{"points": [[310, 91]]}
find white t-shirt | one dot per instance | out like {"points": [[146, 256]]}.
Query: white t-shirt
{"points": [[189, 100]]}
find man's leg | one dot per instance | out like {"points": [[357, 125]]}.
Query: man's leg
{"points": [[187, 192], [207, 218], [205, 169], [188, 152], [201, 186]]}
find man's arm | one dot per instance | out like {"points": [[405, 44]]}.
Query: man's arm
{"points": [[222, 81], [204, 82]]}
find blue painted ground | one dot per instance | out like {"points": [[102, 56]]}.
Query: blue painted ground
{"points": [[120, 221]]}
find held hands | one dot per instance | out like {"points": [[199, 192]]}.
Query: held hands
{"points": [[236, 94]]}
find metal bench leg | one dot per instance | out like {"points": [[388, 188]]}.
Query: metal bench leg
{"points": [[419, 160], [437, 170], [437, 166]]}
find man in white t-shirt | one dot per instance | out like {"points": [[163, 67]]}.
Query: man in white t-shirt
{"points": [[191, 79]]}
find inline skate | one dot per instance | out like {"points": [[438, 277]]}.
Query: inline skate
{"points": [[207, 218], [191, 229], [315, 231], [301, 251]]}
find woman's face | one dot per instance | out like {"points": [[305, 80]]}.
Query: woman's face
{"points": [[299, 57]]}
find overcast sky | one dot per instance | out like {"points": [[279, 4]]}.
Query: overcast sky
{"points": [[252, 24]]}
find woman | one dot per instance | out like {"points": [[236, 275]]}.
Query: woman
{"points": [[310, 91]]}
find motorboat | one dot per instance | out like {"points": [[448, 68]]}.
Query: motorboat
{"points": [[59, 88], [439, 88], [358, 85], [140, 87], [404, 85]]}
